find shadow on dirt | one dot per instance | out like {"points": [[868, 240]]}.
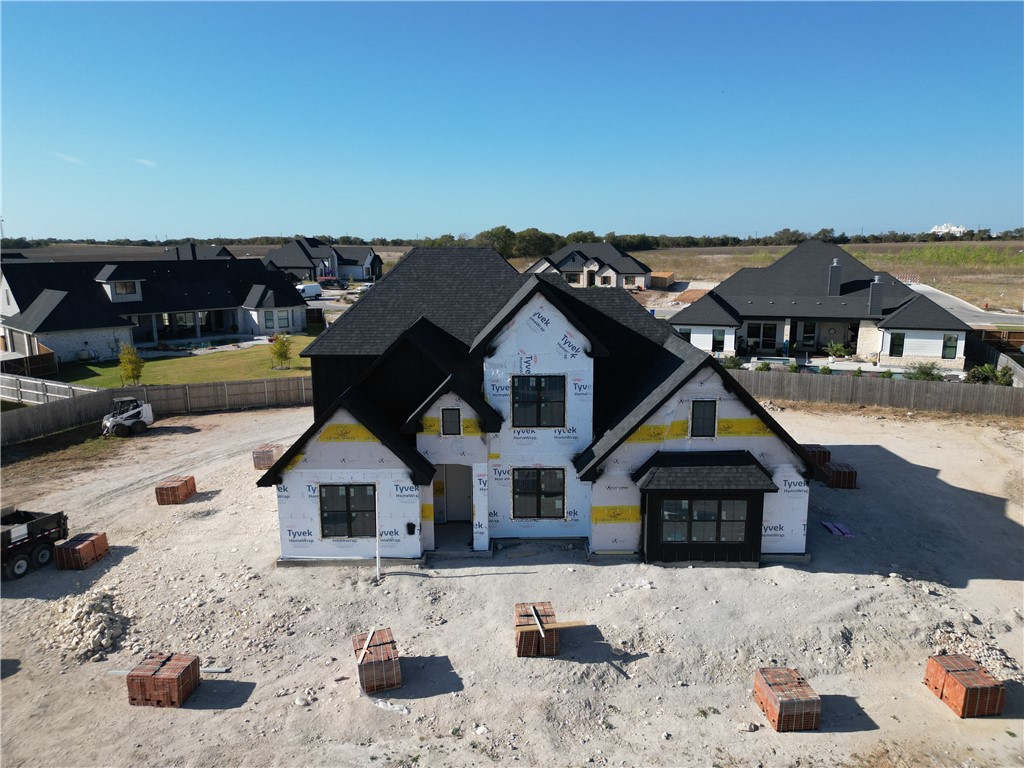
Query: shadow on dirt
{"points": [[50, 584]]}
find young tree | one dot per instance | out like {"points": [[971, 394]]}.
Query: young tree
{"points": [[131, 364], [281, 350]]}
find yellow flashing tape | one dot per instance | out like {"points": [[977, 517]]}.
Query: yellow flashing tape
{"points": [[648, 433], [431, 426], [347, 433], [493, 456], [678, 430], [615, 514], [295, 460], [426, 511], [471, 428], [748, 427]]}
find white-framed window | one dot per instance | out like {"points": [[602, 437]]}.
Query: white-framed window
{"points": [[949, 342], [718, 340], [451, 421], [283, 318], [268, 318]]}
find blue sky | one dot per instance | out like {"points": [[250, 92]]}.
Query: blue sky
{"points": [[162, 120]]}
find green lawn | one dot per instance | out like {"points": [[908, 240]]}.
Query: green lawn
{"points": [[234, 365]]}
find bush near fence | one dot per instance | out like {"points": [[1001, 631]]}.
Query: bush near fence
{"points": [[902, 394]]}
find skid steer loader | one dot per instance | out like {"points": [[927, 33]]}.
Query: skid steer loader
{"points": [[129, 417]]}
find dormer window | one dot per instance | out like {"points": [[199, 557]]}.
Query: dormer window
{"points": [[125, 288]]}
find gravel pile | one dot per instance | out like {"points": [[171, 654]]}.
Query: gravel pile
{"points": [[86, 627], [950, 638]]}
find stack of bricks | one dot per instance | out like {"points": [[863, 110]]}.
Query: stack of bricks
{"points": [[531, 643], [841, 475], [379, 669], [163, 680], [964, 686], [81, 551], [265, 456], [175, 490], [819, 454], [789, 703]]}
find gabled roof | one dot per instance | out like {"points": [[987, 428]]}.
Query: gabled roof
{"points": [[426, 283], [54, 310], [736, 471], [573, 256], [797, 286], [490, 419], [354, 255], [168, 286], [708, 310], [194, 252], [921, 313]]}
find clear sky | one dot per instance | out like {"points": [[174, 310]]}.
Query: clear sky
{"points": [[162, 120]]}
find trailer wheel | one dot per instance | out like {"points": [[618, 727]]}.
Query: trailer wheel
{"points": [[121, 430], [138, 427], [42, 555], [17, 566]]}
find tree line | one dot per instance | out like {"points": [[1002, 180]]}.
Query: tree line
{"points": [[533, 243]]}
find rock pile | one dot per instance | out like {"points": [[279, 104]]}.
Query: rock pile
{"points": [[948, 638], [86, 627]]}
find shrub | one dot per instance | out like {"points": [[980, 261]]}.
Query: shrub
{"points": [[793, 367], [836, 349], [885, 375], [858, 372], [131, 364], [763, 367], [987, 374], [281, 350], [923, 372], [732, 362], [825, 371]]}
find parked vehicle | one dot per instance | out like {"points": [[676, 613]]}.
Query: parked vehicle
{"points": [[27, 539], [130, 416], [310, 290]]}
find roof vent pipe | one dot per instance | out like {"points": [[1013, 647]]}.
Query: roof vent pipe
{"points": [[835, 278], [875, 295]]}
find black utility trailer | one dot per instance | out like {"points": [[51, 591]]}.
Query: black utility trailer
{"points": [[27, 538]]}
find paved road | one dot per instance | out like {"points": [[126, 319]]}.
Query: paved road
{"points": [[970, 314]]}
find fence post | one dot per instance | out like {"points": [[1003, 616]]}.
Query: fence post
{"points": [[266, 394], [188, 401], [227, 405]]}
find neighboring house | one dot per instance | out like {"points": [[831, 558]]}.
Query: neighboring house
{"points": [[193, 252], [599, 265], [461, 394], [89, 309], [817, 294], [308, 258]]}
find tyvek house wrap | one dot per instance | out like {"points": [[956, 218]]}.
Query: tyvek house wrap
{"points": [[539, 340]]}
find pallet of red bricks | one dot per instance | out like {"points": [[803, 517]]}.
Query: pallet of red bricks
{"points": [[786, 699], [964, 686], [533, 643], [819, 454], [377, 662], [163, 680], [81, 551], [175, 490], [265, 456], [840, 475]]}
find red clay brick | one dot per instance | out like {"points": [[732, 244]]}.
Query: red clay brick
{"points": [[381, 669], [964, 686], [786, 699], [531, 643], [175, 490], [163, 680], [840, 475]]}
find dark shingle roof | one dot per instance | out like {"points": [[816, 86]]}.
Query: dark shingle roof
{"points": [[704, 471], [921, 313], [457, 289], [709, 309], [573, 256], [54, 311], [797, 286]]}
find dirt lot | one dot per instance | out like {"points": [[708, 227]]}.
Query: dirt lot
{"points": [[935, 562]]}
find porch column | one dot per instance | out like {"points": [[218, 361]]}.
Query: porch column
{"points": [[787, 336], [481, 509], [195, 322], [152, 325]]}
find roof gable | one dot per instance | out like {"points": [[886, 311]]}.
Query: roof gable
{"points": [[573, 256], [921, 313]]}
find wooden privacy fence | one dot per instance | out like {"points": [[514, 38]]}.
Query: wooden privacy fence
{"points": [[90, 407], [22, 389], [888, 393]]}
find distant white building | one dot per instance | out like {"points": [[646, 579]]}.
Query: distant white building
{"points": [[948, 229]]}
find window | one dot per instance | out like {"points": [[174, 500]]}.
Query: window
{"points": [[538, 401], [124, 287], [283, 321], [702, 418], [896, 344], [629, 280], [538, 493], [451, 421], [685, 333], [606, 280], [572, 278], [762, 335], [809, 336], [703, 520], [718, 340], [268, 318], [347, 511], [949, 342]]}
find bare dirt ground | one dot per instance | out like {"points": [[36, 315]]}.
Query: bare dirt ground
{"points": [[935, 563]]}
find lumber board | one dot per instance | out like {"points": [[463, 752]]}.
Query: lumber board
{"points": [[552, 625]]}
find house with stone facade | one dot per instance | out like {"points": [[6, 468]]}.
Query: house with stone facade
{"points": [[817, 294], [595, 265], [460, 396]]}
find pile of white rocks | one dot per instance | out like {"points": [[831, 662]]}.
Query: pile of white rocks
{"points": [[86, 627], [948, 638]]}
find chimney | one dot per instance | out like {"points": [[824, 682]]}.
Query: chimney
{"points": [[835, 278], [875, 295]]}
